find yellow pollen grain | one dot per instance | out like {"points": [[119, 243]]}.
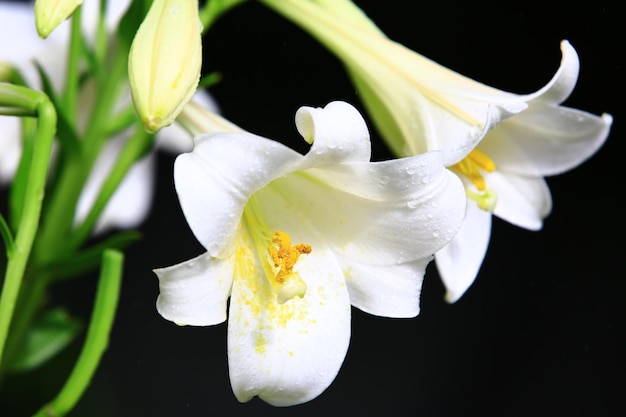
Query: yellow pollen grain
{"points": [[260, 344], [285, 256]]}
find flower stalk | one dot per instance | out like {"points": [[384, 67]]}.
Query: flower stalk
{"points": [[36, 104]]}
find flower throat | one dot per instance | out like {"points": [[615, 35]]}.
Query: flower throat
{"points": [[472, 167]]}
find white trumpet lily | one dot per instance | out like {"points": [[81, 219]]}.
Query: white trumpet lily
{"points": [[294, 240]]}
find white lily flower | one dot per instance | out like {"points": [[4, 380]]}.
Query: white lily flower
{"points": [[294, 240], [122, 211], [504, 174], [501, 144]]}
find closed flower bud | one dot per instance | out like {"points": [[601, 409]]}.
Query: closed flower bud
{"points": [[50, 13], [165, 61]]}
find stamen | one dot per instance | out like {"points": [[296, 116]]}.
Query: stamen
{"points": [[473, 166], [284, 258]]}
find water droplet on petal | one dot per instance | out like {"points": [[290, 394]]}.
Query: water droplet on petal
{"points": [[475, 131]]}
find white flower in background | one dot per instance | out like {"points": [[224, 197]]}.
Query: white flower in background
{"points": [[501, 144], [131, 201], [294, 240]]}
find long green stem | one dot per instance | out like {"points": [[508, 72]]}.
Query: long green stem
{"points": [[59, 212], [72, 73], [43, 108], [97, 338]]}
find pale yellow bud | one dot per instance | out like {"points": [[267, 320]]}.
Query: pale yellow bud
{"points": [[165, 61], [50, 13]]}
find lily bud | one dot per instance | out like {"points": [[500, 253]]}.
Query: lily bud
{"points": [[165, 61], [6, 72], [50, 13]]}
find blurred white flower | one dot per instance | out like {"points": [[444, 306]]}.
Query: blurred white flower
{"points": [[131, 202]]}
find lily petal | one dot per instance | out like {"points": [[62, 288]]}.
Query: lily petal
{"points": [[338, 134], [564, 80], [397, 215], [458, 262], [522, 201], [287, 353], [546, 140], [217, 178], [387, 290], [195, 292]]}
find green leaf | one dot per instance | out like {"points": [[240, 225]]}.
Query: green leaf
{"points": [[50, 334]]}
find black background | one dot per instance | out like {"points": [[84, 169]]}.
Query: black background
{"points": [[540, 333]]}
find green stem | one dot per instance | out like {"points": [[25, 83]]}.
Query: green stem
{"points": [[97, 338], [71, 80], [59, 212], [41, 106]]}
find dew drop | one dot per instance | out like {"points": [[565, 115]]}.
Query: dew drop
{"points": [[475, 132]]}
